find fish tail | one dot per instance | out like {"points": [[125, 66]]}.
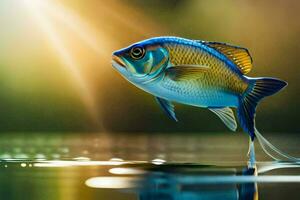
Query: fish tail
{"points": [[258, 89], [273, 151]]}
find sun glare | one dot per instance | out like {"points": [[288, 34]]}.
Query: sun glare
{"points": [[37, 10], [60, 24], [73, 21]]}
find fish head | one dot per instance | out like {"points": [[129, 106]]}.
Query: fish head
{"points": [[141, 61]]}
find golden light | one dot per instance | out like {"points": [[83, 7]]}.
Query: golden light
{"points": [[112, 182], [79, 27], [82, 42], [126, 171], [37, 9]]}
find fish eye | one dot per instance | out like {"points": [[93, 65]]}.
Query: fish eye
{"points": [[137, 53]]}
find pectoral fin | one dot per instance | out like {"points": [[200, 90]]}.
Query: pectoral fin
{"points": [[227, 117], [168, 107], [186, 72]]}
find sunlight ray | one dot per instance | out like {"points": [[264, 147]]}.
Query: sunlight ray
{"points": [[68, 62], [76, 24]]}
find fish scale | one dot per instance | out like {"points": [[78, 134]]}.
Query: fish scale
{"points": [[219, 77]]}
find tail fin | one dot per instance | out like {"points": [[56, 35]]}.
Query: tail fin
{"points": [[272, 151], [257, 90]]}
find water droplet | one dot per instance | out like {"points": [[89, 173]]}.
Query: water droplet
{"points": [[158, 161], [126, 171], [82, 158], [116, 159]]}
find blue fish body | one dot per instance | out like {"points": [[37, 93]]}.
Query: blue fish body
{"points": [[204, 74]]}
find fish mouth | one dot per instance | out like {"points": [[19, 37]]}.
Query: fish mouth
{"points": [[119, 61]]}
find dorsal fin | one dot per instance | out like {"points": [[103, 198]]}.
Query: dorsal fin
{"points": [[239, 55]]}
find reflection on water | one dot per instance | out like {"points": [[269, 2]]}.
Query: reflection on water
{"points": [[118, 179], [140, 167], [181, 182]]}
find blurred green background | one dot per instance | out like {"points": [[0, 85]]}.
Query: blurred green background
{"points": [[55, 71]]}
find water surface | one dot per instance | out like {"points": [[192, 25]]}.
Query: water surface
{"points": [[142, 166]]}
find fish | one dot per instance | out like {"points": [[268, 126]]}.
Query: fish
{"points": [[211, 75], [204, 74]]}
